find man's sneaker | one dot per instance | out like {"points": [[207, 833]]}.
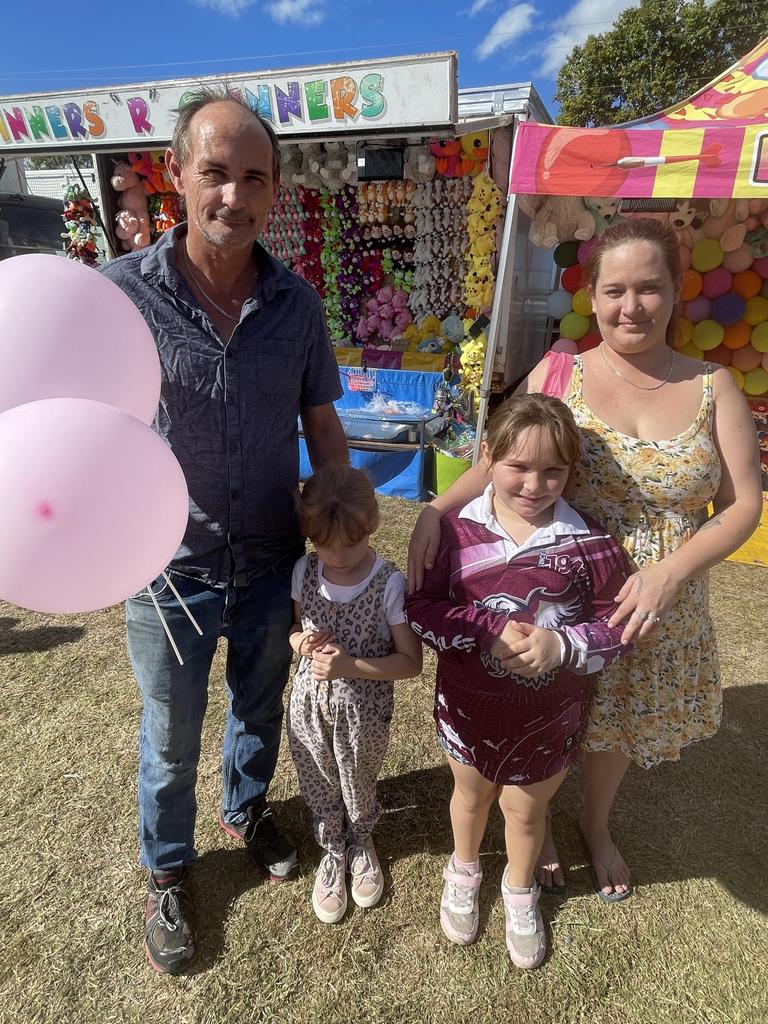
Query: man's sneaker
{"points": [[169, 936], [329, 896], [459, 911], [273, 852], [367, 879], [526, 939]]}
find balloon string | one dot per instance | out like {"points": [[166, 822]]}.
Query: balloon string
{"points": [[165, 626], [180, 599]]}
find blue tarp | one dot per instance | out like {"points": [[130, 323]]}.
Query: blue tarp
{"points": [[395, 472]]}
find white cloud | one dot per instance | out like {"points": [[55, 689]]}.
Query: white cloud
{"points": [[479, 5], [301, 12], [234, 8], [506, 29], [586, 18]]}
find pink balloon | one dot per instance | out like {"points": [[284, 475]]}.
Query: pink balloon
{"points": [[565, 345], [69, 332], [94, 505], [585, 250], [716, 282], [761, 266]]}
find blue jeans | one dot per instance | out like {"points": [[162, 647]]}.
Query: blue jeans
{"points": [[255, 620]]}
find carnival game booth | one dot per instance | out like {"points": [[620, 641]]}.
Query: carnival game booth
{"points": [[702, 166], [391, 205]]}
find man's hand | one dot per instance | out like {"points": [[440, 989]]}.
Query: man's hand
{"points": [[538, 651], [331, 662]]}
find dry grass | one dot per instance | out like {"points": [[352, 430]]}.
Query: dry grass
{"points": [[689, 948]]}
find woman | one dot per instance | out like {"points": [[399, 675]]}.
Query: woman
{"points": [[663, 435]]}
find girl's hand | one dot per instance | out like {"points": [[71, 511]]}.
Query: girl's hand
{"points": [[538, 651], [644, 601], [503, 646], [422, 547], [331, 662], [310, 640]]}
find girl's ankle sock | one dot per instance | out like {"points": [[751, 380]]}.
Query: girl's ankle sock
{"points": [[471, 867]]}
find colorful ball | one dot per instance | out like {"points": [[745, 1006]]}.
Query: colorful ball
{"points": [[746, 359], [738, 260], [764, 290], [761, 267], [582, 304], [737, 335], [707, 335], [571, 278], [566, 254], [698, 309], [757, 310], [590, 340], [683, 333], [720, 355], [706, 255], [573, 326], [728, 309], [738, 376], [756, 381], [558, 304], [692, 284], [759, 339], [692, 352], [716, 282], [764, 361], [747, 284], [565, 345]]}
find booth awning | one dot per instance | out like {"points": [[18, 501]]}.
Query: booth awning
{"points": [[715, 145]]}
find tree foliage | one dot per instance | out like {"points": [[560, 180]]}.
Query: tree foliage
{"points": [[55, 161], [656, 54]]}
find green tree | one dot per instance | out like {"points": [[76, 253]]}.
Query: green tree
{"points": [[656, 54], [55, 161]]}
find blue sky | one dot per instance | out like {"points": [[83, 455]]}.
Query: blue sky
{"points": [[53, 45]]}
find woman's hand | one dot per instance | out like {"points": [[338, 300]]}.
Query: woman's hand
{"points": [[504, 644], [422, 547], [644, 601], [536, 652], [309, 640]]}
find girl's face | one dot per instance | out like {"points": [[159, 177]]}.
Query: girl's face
{"points": [[530, 478], [343, 559], [633, 297]]}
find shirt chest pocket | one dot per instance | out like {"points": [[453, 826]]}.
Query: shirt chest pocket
{"points": [[280, 368]]}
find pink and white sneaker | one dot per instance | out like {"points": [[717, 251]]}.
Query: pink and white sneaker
{"points": [[459, 910], [367, 878], [526, 939], [329, 895]]}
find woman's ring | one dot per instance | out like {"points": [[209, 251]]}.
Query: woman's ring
{"points": [[642, 615], [654, 618]]}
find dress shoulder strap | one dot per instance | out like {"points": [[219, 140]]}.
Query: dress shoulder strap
{"points": [[558, 375]]}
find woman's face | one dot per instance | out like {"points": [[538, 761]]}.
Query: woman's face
{"points": [[633, 297]]}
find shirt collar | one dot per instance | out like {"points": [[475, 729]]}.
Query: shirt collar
{"points": [[566, 521], [159, 263]]}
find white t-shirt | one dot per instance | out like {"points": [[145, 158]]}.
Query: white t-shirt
{"points": [[394, 592]]}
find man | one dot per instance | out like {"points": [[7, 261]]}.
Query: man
{"points": [[243, 351]]}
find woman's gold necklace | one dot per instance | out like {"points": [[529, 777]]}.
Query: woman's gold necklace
{"points": [[640, 387]]}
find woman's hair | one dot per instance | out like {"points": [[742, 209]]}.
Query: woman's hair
{"points": [[338, 503], [520, 413], [639, 229]]}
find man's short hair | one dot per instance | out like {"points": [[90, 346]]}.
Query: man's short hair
{"points": [[201, 97]]}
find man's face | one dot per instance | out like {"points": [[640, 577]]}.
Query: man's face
{"points": [[227, 177]]}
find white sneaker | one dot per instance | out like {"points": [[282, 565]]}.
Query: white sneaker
{"points": [[526, 938], [367, 878], [459, 907], [329, 896]]}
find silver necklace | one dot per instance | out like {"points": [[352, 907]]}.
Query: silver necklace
{"points": [[204, 293], [640, 387]]}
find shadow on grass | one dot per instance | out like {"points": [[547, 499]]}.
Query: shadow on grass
{"points": [[703, 817], [28, 641]]}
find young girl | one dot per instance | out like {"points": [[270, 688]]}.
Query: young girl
{"points": [[353, 641], [516, 607]]}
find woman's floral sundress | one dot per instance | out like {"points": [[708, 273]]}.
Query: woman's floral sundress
{"points": [[653, 496]]}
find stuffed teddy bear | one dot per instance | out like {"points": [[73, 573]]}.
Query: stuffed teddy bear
{"points": [[560, 219], [605, 211]]}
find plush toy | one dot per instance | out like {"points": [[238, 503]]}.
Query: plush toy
{"points": [[447, 154], [333, 163], [150, 166], [605, 212], [560, 219], [472, 360], [419, 163], [727, 222], [124, 176], [290, 163], [80, 223], [474, 152], [312, 157]]}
